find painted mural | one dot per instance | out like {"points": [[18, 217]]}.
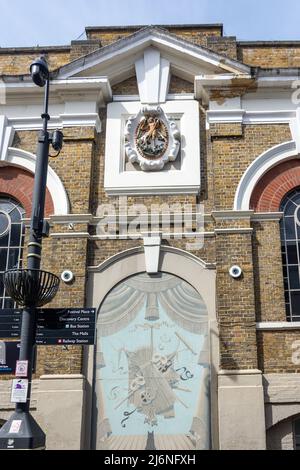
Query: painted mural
{"points": [[152, 383]]}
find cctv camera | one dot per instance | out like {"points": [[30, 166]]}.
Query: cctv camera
{"points": [[67, 276], [235, 272]]}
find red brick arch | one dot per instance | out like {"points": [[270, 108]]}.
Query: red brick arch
{"points": [[274, 185], [18, 183]]}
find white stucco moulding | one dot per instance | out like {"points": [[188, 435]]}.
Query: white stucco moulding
{"points": [[74, 102], [97, 89], [153, 76], [117, 60], [241, 116], [27, 160], [152, 251], [6, 137], [258, 168], [184, 180]]}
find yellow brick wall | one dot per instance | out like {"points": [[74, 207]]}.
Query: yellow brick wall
{"points": [[270, 56], [196, 35], [19, 63]]}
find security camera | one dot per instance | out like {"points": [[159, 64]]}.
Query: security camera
{"points": [[57, 140], [67, 276], [235, 272], [39, 71]]}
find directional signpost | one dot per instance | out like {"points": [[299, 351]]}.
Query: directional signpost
{"points": [[69, 326], [66, 327], [10, 323]]}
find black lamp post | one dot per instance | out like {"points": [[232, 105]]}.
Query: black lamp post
{"points": [[31, 287]]}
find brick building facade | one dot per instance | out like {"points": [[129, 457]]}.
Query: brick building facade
{"points": [[229, 376]]}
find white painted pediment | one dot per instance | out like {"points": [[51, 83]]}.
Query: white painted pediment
{"points": [[118, 61], [6, 137]]}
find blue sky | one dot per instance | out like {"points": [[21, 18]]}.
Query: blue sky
{"points": [[34, 22]]}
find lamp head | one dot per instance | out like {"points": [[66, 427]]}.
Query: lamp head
{"points": [[39, 71]]}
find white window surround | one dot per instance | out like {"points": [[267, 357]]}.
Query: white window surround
{"points": [[19, 158], [258, 168], [26, 160], [186, 180]]}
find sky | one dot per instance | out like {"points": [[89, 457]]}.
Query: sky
{"points": [[58, 22]]}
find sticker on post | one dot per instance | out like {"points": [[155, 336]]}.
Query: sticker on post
{"points": [[19, 391], [22, 369], [15, 427]]}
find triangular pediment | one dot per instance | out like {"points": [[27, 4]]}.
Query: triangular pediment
{"points": [[117, 61]]}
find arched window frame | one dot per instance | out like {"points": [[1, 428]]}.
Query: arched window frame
{"points": [[290, 248], [12, 233]]}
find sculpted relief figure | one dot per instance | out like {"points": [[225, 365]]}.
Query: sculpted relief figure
{"points": [[151, 139]]}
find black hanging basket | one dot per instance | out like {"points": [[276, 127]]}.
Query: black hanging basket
{"points": [[31, 287]]}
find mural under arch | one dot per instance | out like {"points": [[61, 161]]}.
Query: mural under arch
{"points": [[152, 377]]}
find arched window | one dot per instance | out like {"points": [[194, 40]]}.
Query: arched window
{"points": [[11, 242], [290, 246], [297, 434]]}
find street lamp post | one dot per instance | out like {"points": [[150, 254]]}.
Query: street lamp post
{"points": [[32, 287]]}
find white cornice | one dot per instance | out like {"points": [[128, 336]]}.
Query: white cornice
{"points": [[170, 97], [266, 216], [233, 230], [61, 121], [250, 117], [71, 218], [70, 235], [232, 215], [278, 81], [155, 190], [60, 89], [277, 326]]}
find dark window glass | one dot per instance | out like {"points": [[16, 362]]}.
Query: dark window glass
{"points": [[289, 225], [292, 253], [297, 434], [1, 285], [13, 258], [3, 258], [15, 215], [4, 241], [295, 301], [11, 241], [290, 208], [15, 235], [294, 277], [286, 284]]}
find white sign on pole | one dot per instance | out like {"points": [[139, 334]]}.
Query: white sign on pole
{"points": [[19, 391], [21, 369], [15, 427]]}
